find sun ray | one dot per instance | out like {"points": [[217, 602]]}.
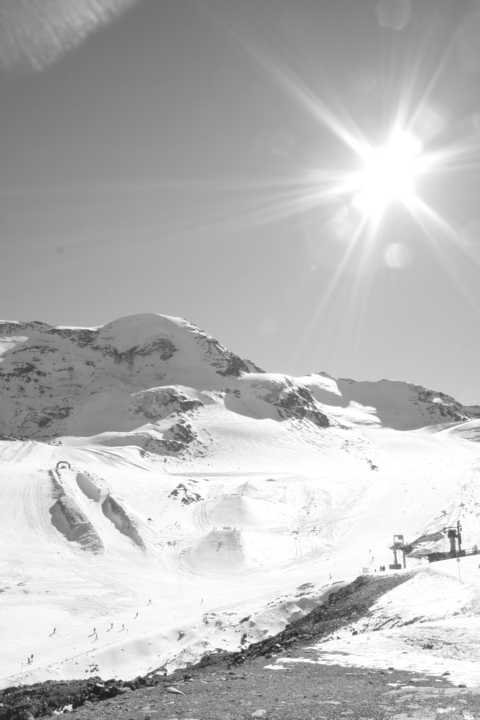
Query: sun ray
{"points": [[334, 282], [297, 89], [330, 289], [406, 109], [427, 218], [298, 198], [421, 103], [424, 210], [360, 290], [455, 156]]}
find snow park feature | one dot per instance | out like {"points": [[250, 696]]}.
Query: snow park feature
{"points": [[158, 489]]}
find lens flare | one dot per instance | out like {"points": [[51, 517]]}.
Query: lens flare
{"points": [[354, 198]]}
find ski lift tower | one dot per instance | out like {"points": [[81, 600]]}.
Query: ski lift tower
{"points": [[454, 535], [398, 545]]}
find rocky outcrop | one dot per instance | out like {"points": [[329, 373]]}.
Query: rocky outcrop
{"points": [[298, 402], [158, 403], [163, 348], [275, 396], [179, 436], [175, 440], [186, 495], [402, 405], [82, 381]]}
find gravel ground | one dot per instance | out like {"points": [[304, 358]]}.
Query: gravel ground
{"points": [[302, 692], [240, 685]]}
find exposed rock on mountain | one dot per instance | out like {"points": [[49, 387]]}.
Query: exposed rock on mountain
{"points": [[185, 494], [128, 376], [187, 484], [133, 373], [395, 404], [83, 381]]}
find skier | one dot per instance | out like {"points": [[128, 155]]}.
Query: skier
{"points": [[53, 632], [136, 615], [110, 627]]}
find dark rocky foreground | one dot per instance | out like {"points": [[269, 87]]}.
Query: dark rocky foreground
{"points": [[302, 691], [236, 686]]}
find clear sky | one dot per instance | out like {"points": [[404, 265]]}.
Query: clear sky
{"points": [[168, 161]]}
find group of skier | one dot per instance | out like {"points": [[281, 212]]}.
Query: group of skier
{"points": [[93, 634]]}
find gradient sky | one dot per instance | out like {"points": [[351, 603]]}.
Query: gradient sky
{"points": [[146, 167]]}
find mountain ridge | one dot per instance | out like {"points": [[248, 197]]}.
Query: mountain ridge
{"points": [[57, 380], [172, 495]]}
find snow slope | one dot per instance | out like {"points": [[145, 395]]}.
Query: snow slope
{"points": [[82, 381], [430, 624], [389, 403], [169, 494]]}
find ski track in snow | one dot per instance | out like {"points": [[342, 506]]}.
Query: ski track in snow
{"points": [[294, 528], [188, 545]]}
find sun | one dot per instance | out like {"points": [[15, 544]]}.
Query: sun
{"points": [[388, 175]]}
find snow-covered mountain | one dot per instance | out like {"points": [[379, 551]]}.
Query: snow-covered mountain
{"points": [[174, 496], [139, 369], [389, 403]]}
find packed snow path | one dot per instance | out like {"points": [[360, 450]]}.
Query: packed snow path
{"points": [[240, 548], [165, 489]]}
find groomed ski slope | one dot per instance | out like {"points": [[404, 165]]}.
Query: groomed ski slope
{"points": [[269, 506], [428, 625], [201, 503]]}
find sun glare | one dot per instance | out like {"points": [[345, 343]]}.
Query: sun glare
{"points": [[388, 175]]}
